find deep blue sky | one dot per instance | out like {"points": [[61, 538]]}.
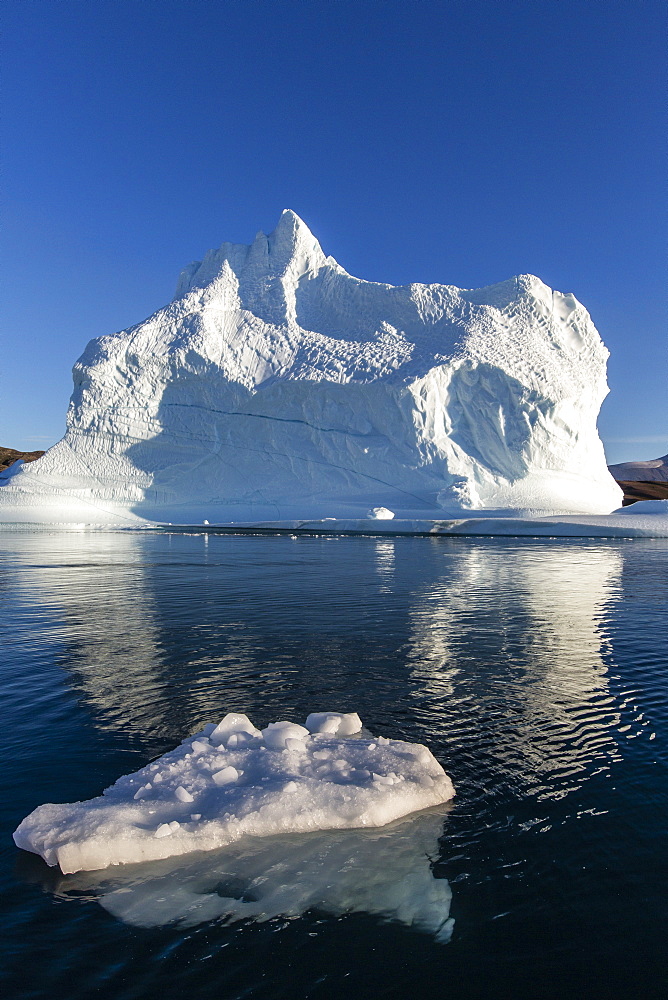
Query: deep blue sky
{"points": [[460, 142]]}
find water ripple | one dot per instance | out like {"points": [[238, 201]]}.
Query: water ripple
{"points": [[535, 671]]}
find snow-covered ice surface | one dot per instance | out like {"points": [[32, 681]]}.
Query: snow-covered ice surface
{"points": [[645, 519], [232, 780], [275, 386], [385, 871], [647, 508]]}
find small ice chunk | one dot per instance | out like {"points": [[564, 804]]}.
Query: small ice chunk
{"points": [[195, 816], [174, 825], [183, 795], [277, 733], [380, 514], [158, 779], [239, 740], [420, 753], [199, 746], [233, 722], [295, 745], [226, 776], [323, 722], [335, 723], [164, 830]]}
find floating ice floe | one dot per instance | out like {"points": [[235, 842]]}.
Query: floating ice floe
{"points": [[384, 872], [233, 780]]}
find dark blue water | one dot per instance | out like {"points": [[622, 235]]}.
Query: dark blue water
{"points": [[535, 671]]}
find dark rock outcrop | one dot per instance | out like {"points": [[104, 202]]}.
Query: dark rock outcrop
{"points": [[635, 491], [9, 455]]}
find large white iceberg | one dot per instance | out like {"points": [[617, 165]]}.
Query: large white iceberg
{"points": [[231, 781], [277, 386]]}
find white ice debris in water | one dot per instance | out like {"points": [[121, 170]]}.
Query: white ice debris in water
{"points": [[277, 387], [380, 514], [212, 790]]}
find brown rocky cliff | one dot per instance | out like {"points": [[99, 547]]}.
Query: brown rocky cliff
{"points": [[9, 455], [634, 491]]}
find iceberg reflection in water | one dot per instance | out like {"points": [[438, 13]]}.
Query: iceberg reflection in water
{"points": [[384, 872]]}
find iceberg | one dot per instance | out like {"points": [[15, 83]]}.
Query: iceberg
{"points": [[276, 386], [231, 781]]}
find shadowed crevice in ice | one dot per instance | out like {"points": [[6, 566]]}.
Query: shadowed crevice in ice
{"points": [[386, 873]]}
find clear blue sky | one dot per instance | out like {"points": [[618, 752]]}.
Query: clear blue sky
{"points": [[460, 142]]}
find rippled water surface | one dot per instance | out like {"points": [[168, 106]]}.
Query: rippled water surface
{"points": [[535, 670]]}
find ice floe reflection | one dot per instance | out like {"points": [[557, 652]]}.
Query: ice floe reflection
{"points": [[384, 872]]}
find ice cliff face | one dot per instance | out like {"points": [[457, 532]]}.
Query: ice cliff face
{"points": [[276, 385]]}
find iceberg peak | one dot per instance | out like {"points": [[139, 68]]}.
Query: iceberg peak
{"points": [[293, 247], [288, 252], [291, 226]]}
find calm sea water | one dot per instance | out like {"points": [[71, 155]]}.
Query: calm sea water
{"points": [[535, 670]]}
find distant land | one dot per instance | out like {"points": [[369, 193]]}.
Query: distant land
{"points": [[653, 471], [642, 480], [9, 455], [634, 491]]}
